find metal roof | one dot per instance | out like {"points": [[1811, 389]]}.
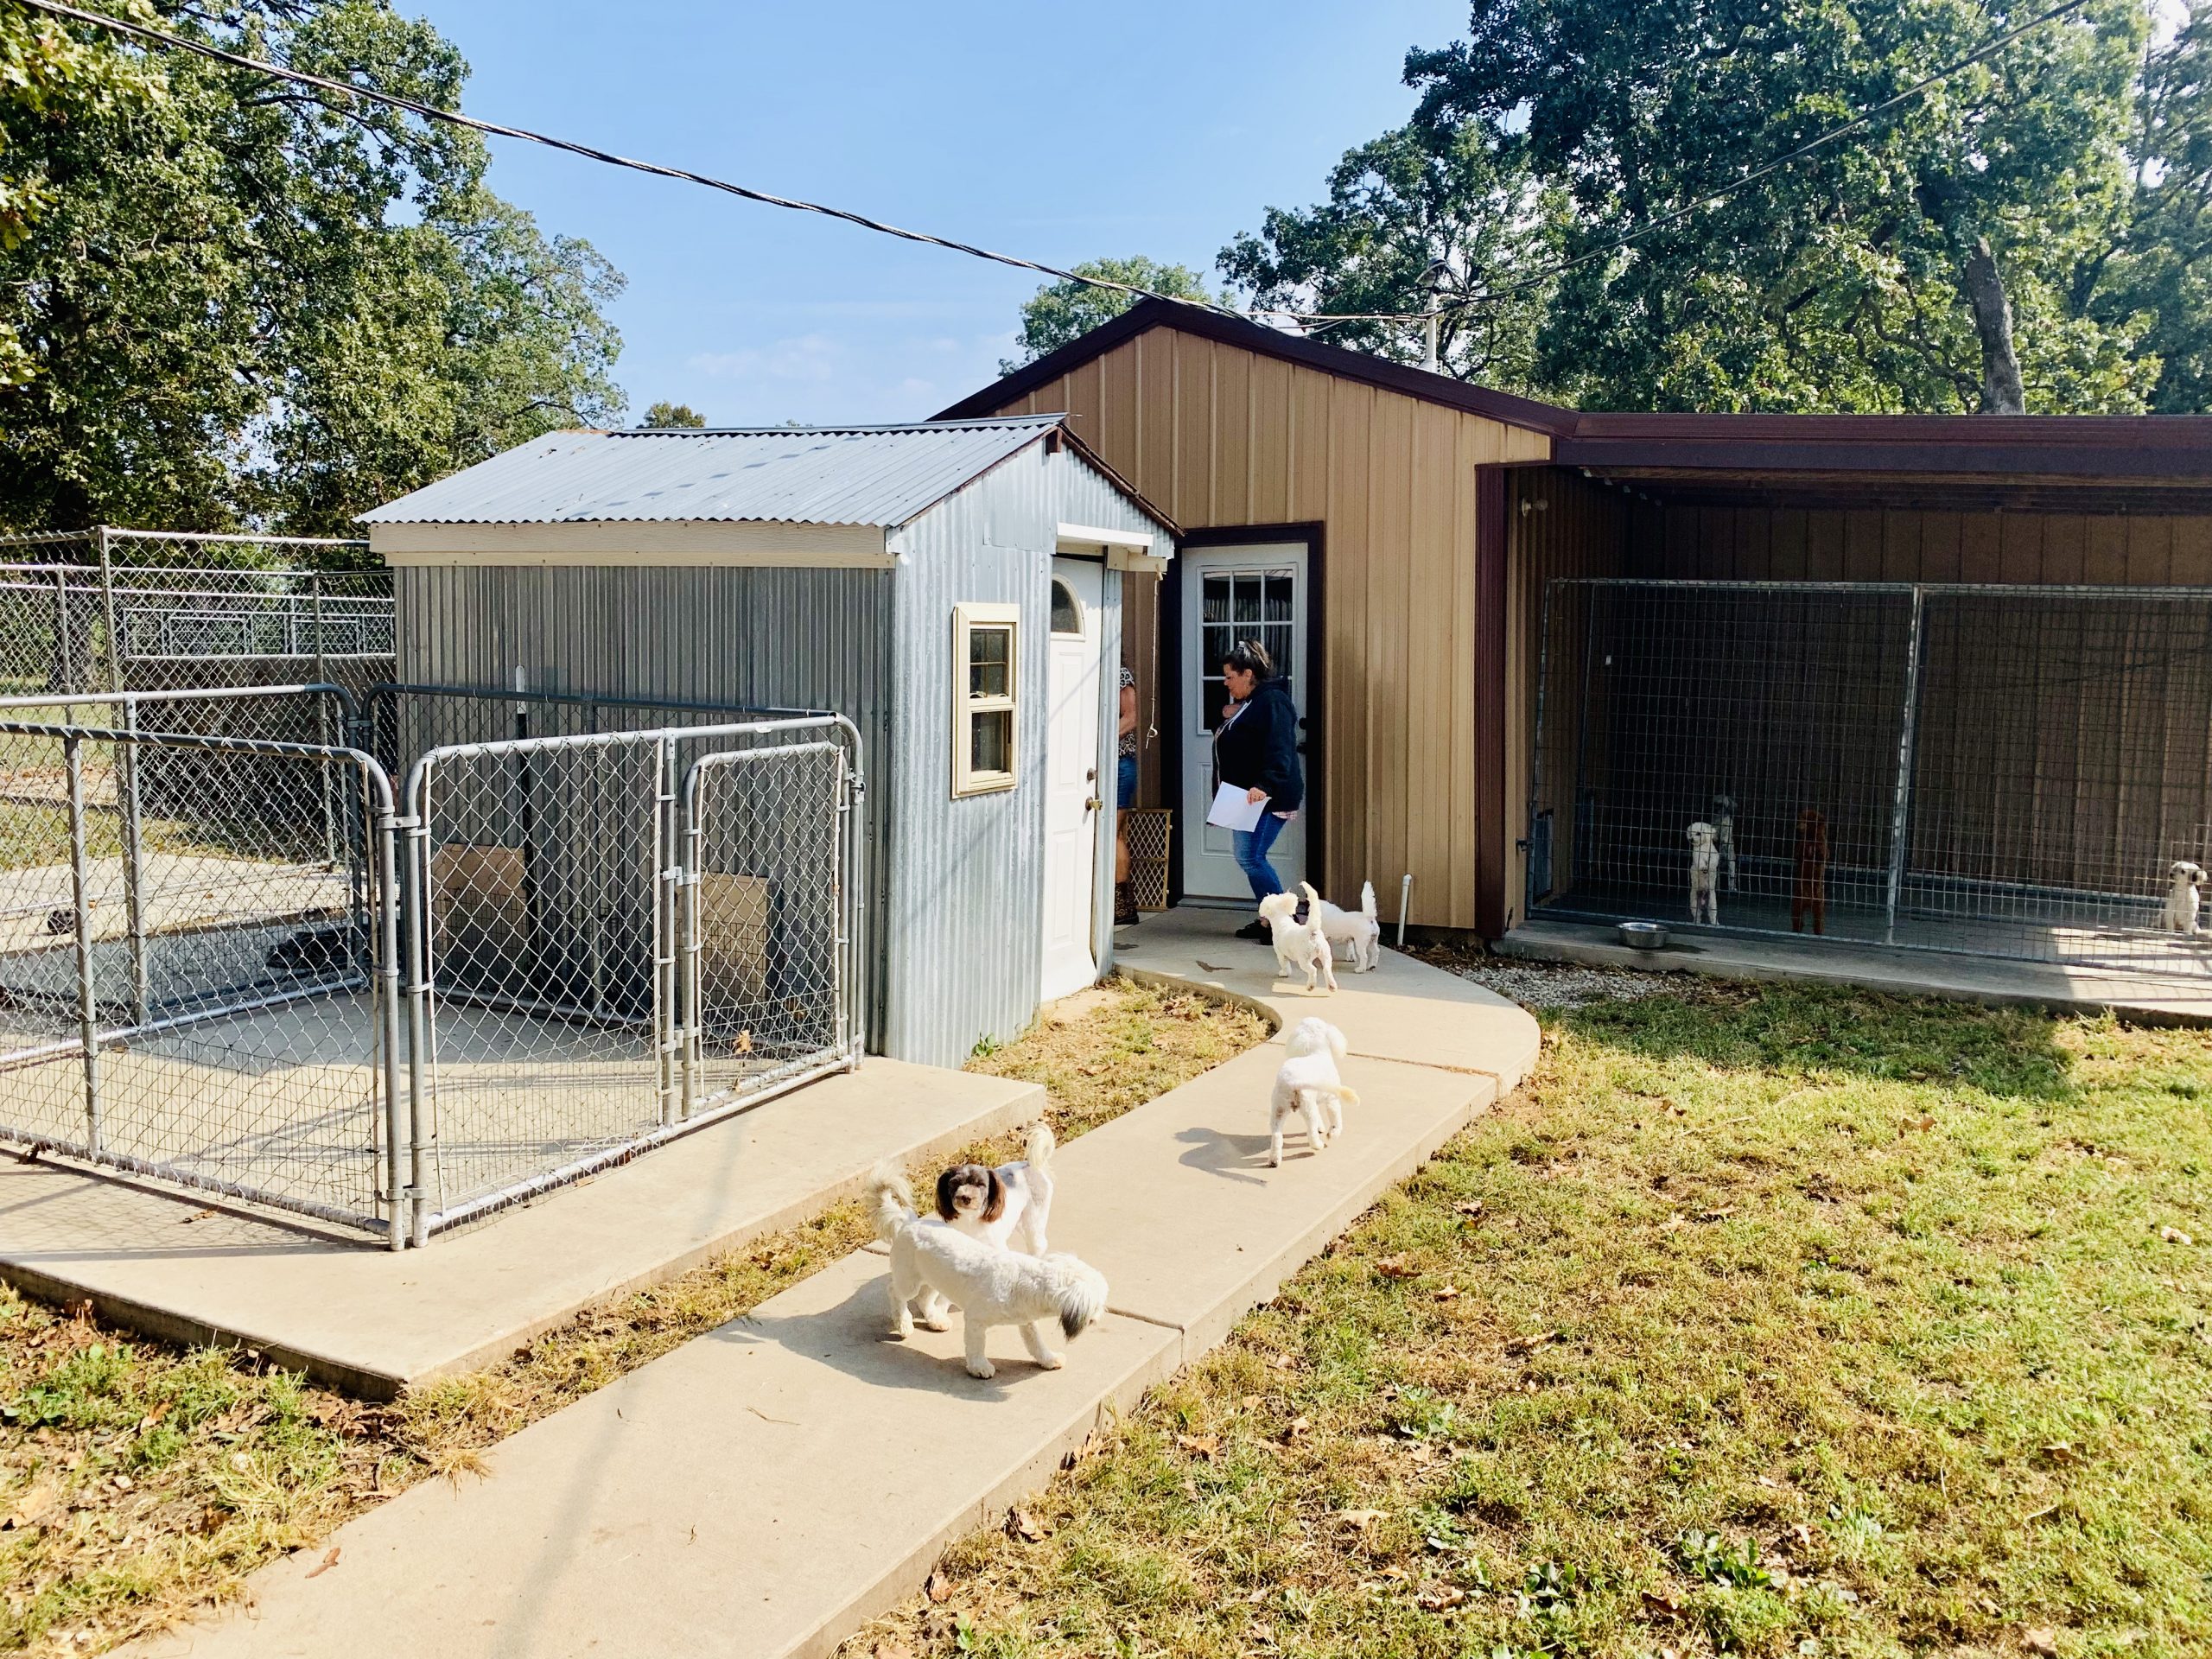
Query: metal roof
{"points": [[881, 475]]}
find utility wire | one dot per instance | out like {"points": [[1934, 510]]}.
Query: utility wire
{"points": [[432, 113]]}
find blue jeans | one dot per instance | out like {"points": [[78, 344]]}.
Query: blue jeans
{"points": [[1125, 783], [1252, 854]]}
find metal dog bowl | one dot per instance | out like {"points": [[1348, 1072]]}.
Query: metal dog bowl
{"points": [[1644, 936]]}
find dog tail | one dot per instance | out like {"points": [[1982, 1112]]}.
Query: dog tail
{"points": [[1312, 897], [890, 1202], [1041, 1146], [1367, 899], [1083, 1294], [1346, 1097]]}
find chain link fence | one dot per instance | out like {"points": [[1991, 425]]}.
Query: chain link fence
{"points": [[232, 958], [108, 610]]}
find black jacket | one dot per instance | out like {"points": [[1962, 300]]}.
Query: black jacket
{"points": [[1259, 748]]}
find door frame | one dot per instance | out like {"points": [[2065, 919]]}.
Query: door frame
{"points": [[1172, 692]]}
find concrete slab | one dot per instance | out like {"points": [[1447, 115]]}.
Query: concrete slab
{"points": [[1405, 1010], [762, 1490], [374, 1322], [2146, 998], [1176, 1205]]}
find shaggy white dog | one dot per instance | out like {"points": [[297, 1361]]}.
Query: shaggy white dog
{"points": [[933, 1262], [1705, 872], [1307, 1085], [1009, 1206], [2181, 896], [1358, 928], [1298, 945]]}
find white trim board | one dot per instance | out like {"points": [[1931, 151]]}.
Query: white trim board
{"points": [[750, 542]]}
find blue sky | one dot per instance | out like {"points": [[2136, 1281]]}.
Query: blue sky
{"points": [[1059, 132]]}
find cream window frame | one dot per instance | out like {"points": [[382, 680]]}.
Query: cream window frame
{"points": [[967, 620]]}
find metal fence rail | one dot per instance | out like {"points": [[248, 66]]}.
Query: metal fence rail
{"points": [[2000, 771], [607, 939]]}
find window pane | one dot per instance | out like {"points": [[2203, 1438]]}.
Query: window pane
{"points": [[1213, 599], [988, 650], [1067, 615], [1277, 600], [1246, 608], [1217, 643], [990, 741]]}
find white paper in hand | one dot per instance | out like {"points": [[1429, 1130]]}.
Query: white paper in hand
{"points": [[1232, 811]]}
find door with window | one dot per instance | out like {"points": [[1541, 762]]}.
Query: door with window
{"points": [[1075, 794], [1250, 592]]}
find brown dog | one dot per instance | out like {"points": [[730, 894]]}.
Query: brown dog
{"points": [[1810, 893]]}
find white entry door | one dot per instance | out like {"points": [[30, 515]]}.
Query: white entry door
{"points": [[1230, 593], [1074, 792]]}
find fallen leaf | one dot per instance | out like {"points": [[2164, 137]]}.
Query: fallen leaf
{"points": [[1396, 1267], [1449, 1294], [2174, 1236], [891, 1647], [1801, 1536], [744, 1044], [937, 1586], [1359, 1519], [1519, 1345], [1442, 1599], [1663, 1607], [1298, 1426], [240, 1462], [1398, 1573], [1472, 1207], [197, 1214], [329, 1560], [2043, 1641], [1915, 1126], [1207, 1447], [121, 1483], [2063, 1451], [1020, 1524], [1721, 1214], [1769, 1482], [32, 1506]]}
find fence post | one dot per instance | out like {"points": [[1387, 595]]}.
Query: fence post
{"points": [[1900, 800], [133, 865], [87, 999], [103, 538], [421, 1104], [694, 787], [667, 873], [397, 1135]]}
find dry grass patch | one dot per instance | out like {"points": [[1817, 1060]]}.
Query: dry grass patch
{"points": [[1771, 1321], [139, 1481]]}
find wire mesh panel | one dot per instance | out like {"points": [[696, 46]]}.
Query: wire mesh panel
{"points": [[197, 962], [2002, 771], [764, 919]]}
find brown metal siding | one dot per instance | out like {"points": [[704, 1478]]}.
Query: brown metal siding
{"points": [[1219, 436]]}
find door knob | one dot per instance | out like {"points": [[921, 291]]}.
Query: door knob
{"points": [[1093, 804]]}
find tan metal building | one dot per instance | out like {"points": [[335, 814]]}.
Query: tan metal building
{"points": [[1414, 544]]}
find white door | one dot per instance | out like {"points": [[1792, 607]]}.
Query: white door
{"points": [[1232, 594], [1074, 792]]}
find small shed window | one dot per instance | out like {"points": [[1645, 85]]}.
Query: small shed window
{"points": [[1067, 610], [985, 674]]}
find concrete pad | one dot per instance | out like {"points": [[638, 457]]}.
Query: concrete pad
{"points": [[1175, 1204], [2145, 999], [762, 1490], [1404, 1010], [374, 1322]]}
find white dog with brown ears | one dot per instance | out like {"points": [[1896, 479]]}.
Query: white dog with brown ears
{"points": [[1307, 1085], [934, 1263], [1298, 945], [1360, 929], [1009, 1206], [2181, 897], [1705, 875]]}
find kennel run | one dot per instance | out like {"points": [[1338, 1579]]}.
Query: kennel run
{"points": [[2000, 770], [396, 960]]}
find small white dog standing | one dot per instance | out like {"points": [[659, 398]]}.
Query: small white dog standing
{"points": [[1009, 1206], [934, 1262], [1705, 875], [2181, 897], [1360, 929], [1298, 945], [1308, 1085]]}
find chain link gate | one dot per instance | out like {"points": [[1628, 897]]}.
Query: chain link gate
{"points": [[577, 993]]}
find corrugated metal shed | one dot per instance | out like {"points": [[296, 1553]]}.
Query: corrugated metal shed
{"points": [[879, 475]]}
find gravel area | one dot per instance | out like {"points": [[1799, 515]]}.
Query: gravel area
{"points": [[1556, 985]]}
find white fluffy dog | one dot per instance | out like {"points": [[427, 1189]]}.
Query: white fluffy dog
{"points": [[1308, 1085], [933, 1262], [1358, 928], [1298, 945], [1704, 873], [1724, 834], [2180, 916], [1009, 1206]]}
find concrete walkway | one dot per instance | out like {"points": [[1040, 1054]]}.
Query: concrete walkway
{"points": [[2146, 998], [766, 1490]]}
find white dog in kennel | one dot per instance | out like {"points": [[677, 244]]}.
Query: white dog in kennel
{"points": [[2182, 898]]}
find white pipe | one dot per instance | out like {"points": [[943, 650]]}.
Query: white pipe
{"points": [[1405, 903]]}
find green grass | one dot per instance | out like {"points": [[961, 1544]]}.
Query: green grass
{"points": [[1774, 1321]]}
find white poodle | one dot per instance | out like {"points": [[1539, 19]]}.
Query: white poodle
{"points": [[1307, 1085], [1298, 945], [2182, 898], [1704, 873], [1358, 928]]}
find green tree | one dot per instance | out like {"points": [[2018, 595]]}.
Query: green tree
{"points": [[664, 415], [1060, 312], [248, 303], [1947, 255]]}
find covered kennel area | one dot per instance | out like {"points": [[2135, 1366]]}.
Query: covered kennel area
{"points": [[393, 962], [2007, 771]]}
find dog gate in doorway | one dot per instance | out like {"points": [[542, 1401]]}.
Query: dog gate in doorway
{"points": [[2001, 771]]}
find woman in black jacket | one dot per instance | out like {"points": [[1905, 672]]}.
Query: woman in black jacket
{"points": [[1255, 749]]}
